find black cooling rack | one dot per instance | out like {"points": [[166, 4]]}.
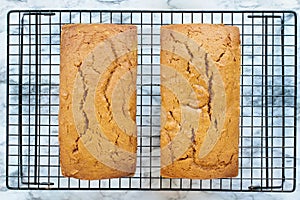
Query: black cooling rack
{"points": [[267, 159]]}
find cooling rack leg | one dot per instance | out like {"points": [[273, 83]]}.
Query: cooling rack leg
{"points": [[37, 89], [266, 100], [265, 97]]}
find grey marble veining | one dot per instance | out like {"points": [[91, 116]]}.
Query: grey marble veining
{"points": [[128, 4]]}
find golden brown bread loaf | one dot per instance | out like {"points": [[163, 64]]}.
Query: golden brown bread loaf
{"points": [[200, 91], [97, 129]]}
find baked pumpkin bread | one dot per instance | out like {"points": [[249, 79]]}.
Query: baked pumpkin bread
{"points": [[97, 125], [200, 96]]}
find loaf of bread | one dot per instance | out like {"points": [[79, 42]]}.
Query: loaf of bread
{"points": [[97, 126], [200, 95]]}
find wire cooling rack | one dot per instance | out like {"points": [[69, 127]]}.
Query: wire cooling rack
{"points": [[267, 158]]}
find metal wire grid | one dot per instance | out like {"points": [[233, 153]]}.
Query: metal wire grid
{"points": [[267, 156]]}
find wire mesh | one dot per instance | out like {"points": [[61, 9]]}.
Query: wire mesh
{"points": [[267, 150]]}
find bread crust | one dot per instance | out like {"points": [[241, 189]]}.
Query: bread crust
{"points": [[205, 59], [90, 136]]}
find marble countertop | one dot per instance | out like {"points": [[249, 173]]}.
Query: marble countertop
{"points": [[7, 5]]}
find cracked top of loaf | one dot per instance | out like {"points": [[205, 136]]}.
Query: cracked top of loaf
{"points": [[200, 73], [97, 130]]}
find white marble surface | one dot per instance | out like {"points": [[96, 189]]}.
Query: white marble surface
{"points": [[7, 5]]}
